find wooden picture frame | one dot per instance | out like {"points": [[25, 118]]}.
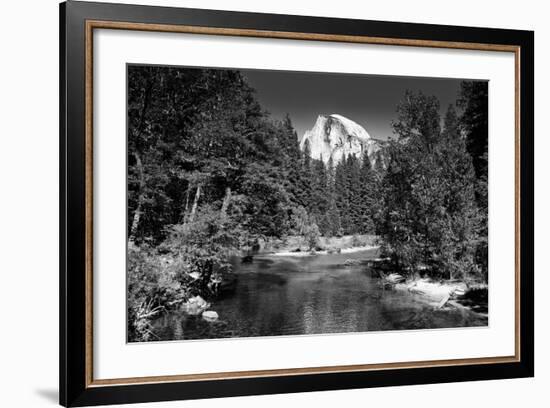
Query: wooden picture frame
{"points": [[78, 20]]}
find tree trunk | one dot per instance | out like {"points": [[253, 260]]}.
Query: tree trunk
{"points": [[141, 199], [195, 203], [225, 203], [184, 212]]}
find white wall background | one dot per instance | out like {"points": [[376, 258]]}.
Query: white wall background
{"points": [[29, 204]]}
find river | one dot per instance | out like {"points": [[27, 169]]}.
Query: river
{"points": [[282, 295]]}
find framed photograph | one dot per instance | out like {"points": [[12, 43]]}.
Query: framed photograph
{"points": [[256, 204]]}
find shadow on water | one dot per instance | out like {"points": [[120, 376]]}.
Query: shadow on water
{"points": [[278, 295]]}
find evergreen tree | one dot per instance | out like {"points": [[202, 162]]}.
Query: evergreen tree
{"points": [[306, 178], [333, 215], [474, 101], [368, 195], [342, 196], [319, 200], [430, 215], [458, 237], [474, 123], [354, 187], [292, 162]]}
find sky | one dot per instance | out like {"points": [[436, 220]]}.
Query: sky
{"points": [[366, 99]]}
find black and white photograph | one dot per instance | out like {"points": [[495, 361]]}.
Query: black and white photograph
{"points": [[212, 204], [282, 203]]}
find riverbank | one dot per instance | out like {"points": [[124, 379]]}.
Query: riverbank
{"points": [[295, 246], [448, 294], [325, 251], [275, 295], [438, 294]]}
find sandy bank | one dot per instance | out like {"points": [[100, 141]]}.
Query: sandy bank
{"points": [[439, 294], [324, 252], [296, 246]]}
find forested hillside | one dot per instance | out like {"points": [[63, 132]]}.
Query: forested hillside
{"points": [[223, 151], [210, 173]]}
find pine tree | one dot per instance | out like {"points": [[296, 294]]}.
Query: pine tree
{"points": [[319, 200], [354, 194], [291, 162], [457, 234], [342, 195], [306, 178], [474, 101], [368, 194], [474, 123], [430, 215], [333, 215]]}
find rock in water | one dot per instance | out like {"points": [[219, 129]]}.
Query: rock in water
{"points": [[195, 305], [336, 137], [394, 278], [194, 275], [210, 316]]}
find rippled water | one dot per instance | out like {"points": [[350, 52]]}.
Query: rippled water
{"points": [[311, 295]]}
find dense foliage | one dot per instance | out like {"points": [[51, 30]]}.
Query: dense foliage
{"points": [[431, 220], [211, 175]]}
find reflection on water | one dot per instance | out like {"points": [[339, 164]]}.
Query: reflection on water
{"points": [[310, 295]]}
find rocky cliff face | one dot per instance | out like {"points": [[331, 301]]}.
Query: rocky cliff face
{"points": [[336, 137]]}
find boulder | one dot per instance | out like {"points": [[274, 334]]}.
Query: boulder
{"points": [[195, 305], [194, 275], [210, 316], [394, 278]]}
